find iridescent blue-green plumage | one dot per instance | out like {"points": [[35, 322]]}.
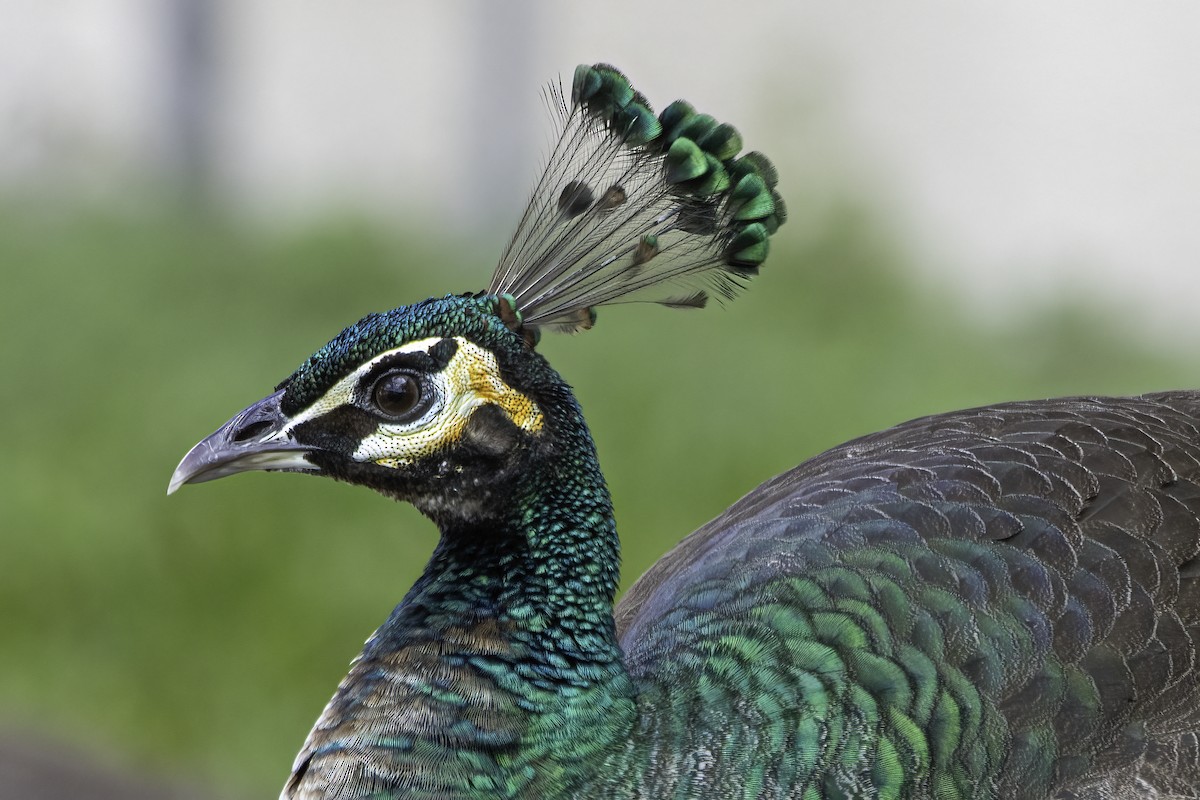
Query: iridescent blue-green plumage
{"points": [[637, 207], [992, 604], [996, 603], [503, 658]]}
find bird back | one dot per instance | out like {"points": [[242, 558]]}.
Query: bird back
{"points": [[1001, 602]]}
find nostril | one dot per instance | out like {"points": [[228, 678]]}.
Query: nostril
{"points": [[251, 431]]}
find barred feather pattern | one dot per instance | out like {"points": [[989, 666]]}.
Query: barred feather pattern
{"points": [[636, 208]]}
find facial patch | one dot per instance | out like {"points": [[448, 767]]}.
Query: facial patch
{"points": [[470, 379]]}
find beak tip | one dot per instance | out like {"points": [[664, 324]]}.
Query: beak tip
{"points": [[231, 449], [184, 473], [188, 469]]}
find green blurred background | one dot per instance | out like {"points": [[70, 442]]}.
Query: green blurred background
{"points": [[194, 639]]}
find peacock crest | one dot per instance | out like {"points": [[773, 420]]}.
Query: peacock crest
{"points": [[633, 207]]}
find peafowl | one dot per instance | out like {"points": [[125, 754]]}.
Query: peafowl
{"points": [[995, 603]]}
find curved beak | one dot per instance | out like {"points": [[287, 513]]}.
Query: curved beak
{"points": [[256, 438]]}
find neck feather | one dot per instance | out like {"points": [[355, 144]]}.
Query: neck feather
{"points": [[512, 623], [545, 569]]}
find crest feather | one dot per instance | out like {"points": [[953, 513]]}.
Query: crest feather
{"points": [[636, 208]]}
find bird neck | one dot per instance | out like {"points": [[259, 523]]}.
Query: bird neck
{"points": [[544, 569], [542, 555], [520, 610]]}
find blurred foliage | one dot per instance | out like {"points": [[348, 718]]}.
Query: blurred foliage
{"points": [[202, 635]]}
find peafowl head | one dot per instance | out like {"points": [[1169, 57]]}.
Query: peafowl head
{"points": [[439, 403], [443, 403]]}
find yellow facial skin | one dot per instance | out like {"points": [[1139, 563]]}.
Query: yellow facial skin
{"points": [[470, 380]]}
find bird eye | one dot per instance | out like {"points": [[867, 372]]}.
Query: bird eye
{"points": [[397, 394]]}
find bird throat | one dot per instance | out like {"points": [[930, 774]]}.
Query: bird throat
{"points": [[506, 646]]}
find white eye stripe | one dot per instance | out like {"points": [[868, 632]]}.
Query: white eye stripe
{"points": [[470, 379], [349, 389]]}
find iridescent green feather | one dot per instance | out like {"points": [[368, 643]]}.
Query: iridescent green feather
{"points": [[617, 178]]}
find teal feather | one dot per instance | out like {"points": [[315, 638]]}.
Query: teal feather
{"points": [[670, 178], [1000, 603]]}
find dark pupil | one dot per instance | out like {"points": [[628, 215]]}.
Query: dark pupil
{"points": [[397, 394]]}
